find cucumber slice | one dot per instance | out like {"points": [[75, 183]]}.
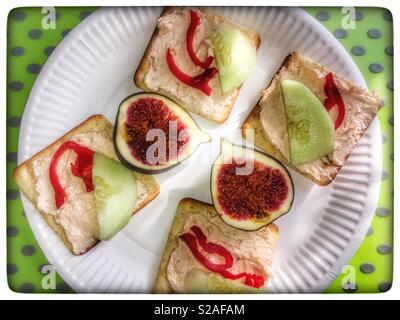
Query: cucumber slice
{"points": [[311, 130], [197, 281], [115, 192], [235, 55]]}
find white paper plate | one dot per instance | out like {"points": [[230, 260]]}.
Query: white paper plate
{"points": [[91, 71]]}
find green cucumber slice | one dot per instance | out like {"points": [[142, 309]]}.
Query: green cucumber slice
{"points": [[115, 192], [235, 55], [311, 130]]}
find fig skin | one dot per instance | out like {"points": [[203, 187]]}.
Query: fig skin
{"points": [[288, 181], [147, 169]]}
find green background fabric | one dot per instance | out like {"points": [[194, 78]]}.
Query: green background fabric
{"points": [[371, 46]]}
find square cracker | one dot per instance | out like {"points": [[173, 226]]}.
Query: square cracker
{"points": [[153, 67], [161, 284], [298, 67], [25, 177]]}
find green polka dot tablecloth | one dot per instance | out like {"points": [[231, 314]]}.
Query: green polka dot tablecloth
{"points": [[369, 44]]}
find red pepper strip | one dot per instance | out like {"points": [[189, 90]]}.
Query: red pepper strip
{"points": [[211, 247], [82, 168], [334, 98], [199, 82], [190, 240], [252, 280], [194, 23]]}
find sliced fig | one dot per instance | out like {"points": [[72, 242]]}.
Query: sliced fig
{"points": [[152, 133], [249, 189]]}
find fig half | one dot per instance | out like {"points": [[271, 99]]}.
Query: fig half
{"points": [[152, 133], [249, 189]]}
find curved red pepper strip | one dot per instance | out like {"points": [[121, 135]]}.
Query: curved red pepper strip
{"points": [[252, 280], [334, 98], [194, 23], [199, 82], [190, 240], [82, 167], [211, 247]]}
